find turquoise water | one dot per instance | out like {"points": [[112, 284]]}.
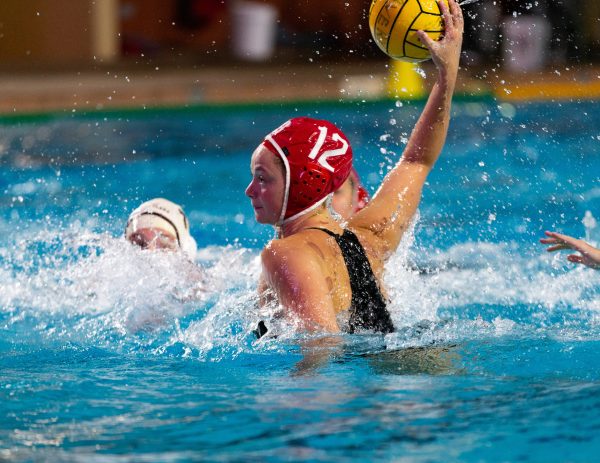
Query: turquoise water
{"points": [[111, 354]]}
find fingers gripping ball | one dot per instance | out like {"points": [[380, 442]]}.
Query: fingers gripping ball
{"points": [[394, 25]]}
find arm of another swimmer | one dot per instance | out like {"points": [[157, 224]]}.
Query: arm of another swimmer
{"points": [[391, 210], [299, 287]]}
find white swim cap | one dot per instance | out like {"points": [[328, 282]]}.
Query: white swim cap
{"points": [[165, 215]]}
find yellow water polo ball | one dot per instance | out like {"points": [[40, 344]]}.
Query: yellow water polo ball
{"points": [[394, 25]]}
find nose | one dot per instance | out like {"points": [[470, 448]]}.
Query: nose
{"points": [[250, 189]]}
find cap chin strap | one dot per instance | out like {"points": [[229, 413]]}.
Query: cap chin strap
{"points": [[286, 195]]}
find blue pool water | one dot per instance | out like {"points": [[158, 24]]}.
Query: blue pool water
{"points": [[104, 357]]}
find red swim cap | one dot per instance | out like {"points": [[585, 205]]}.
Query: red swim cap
{"points": [[317, 158], [362, 193]]}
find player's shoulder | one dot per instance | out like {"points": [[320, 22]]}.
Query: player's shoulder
{"points": [[295, 251]]}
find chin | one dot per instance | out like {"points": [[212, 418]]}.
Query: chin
{"points": [[263, 221], [260, 218]]}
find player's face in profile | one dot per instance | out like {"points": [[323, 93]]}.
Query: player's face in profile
{"points": [[266, 190]]}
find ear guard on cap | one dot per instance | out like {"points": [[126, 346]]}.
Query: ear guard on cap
{"points": [[362, 194], [166, 215], [317, 157], [363, 198]]}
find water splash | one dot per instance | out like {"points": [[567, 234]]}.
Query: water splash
{"points": [[92, 289], [479, 289], [590, 224]]}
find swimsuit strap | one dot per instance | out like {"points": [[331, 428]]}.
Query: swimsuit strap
{"points": [[369, 308]]}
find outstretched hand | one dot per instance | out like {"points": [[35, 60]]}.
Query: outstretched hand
{"points": [[446, 52], [588, 255]]}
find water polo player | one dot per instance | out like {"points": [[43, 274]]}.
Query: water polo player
{"points": [[329, 277], [160, 224]]}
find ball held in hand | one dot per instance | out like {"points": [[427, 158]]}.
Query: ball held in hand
{"points": [[394, 25]]}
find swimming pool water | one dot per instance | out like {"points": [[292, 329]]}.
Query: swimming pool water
{"points": [[104, 357]]}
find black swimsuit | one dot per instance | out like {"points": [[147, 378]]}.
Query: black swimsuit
{"points": [[368, 310]]}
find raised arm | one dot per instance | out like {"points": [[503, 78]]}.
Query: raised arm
{"points": [[393, 206]]}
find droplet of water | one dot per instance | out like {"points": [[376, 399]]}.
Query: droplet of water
{"points": [[590, 223]]}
